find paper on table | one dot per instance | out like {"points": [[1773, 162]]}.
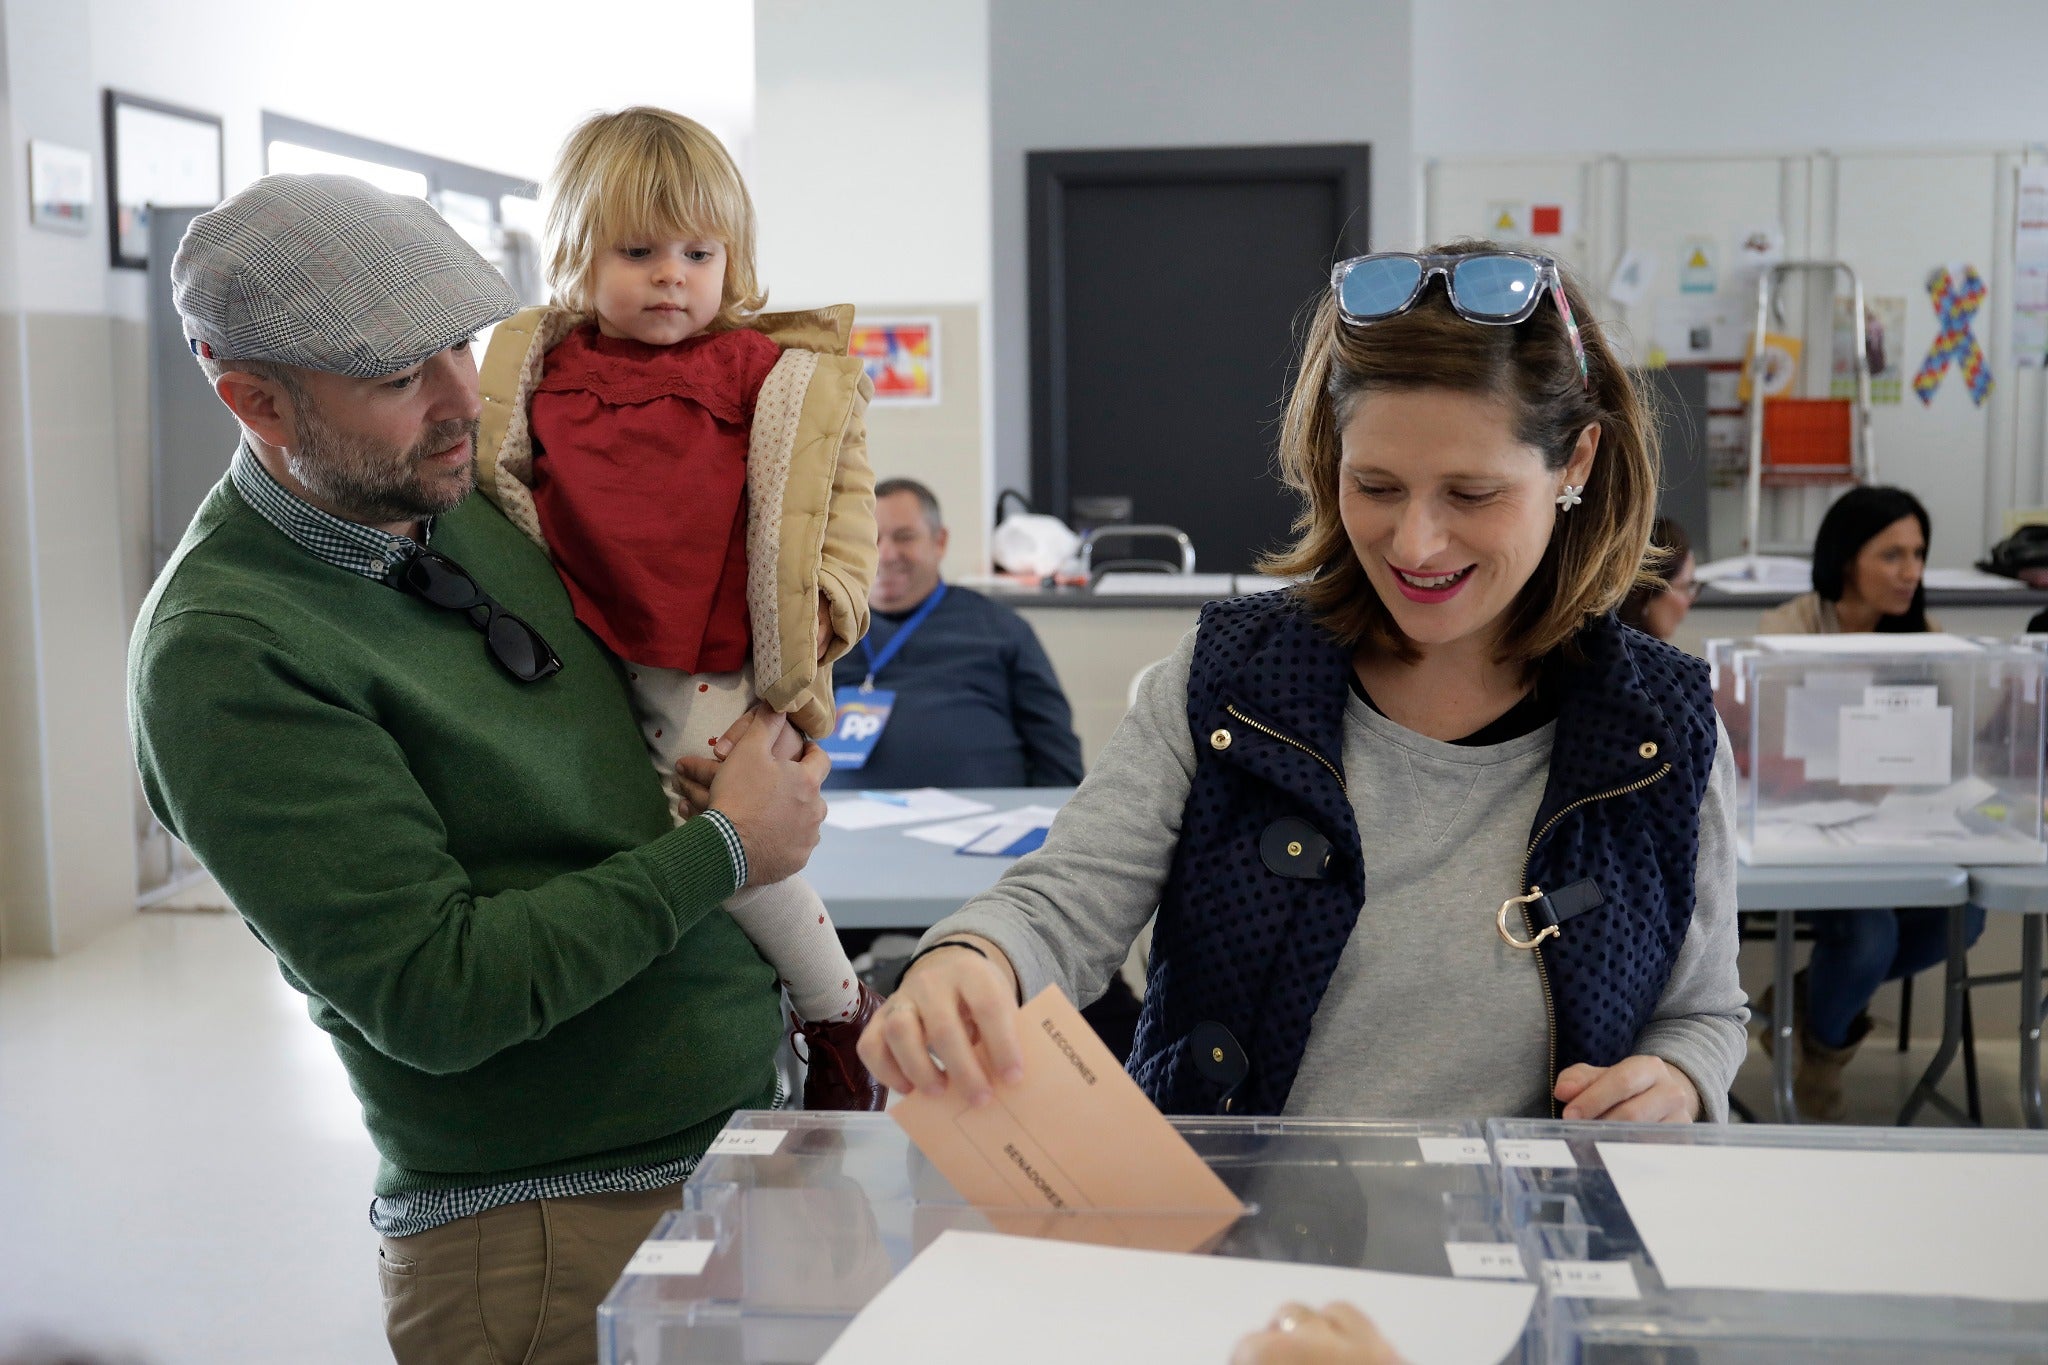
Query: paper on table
{"points": [[1931, 831], [1867, 644], [1075, 1149], [1956, 797], [874, 810], [1937, 1224], [1014, 1301], [1745, 587], [1818, 814], [957, 833], [1907, 817], [1779, 571], [1972, 580], [1018, 832]]}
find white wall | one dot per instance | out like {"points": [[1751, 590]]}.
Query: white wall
{"points": [[1552, 77], [1075, 74], [870, 171], [496, 86], [871, 180]]}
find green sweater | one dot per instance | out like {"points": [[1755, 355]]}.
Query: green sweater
{"points": [[473, 880]]}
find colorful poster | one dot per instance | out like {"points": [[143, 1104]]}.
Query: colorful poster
{"points": [[1957, 292], [1689, 330], [60, 187], [1755, 251], [1697, 266], [1507, 221], [1883, 339], [1632, 276], [2030, 269], [901, 356], [1774, 370], [1759, 247]]}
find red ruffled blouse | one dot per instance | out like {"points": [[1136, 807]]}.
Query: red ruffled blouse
{"points": [[639, 476]]}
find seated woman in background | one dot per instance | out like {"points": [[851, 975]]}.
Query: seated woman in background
{"points": [[1868, 560], [1658, 608]]}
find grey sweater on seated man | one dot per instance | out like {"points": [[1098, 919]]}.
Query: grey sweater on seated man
{"points": [[1429, 1013]]}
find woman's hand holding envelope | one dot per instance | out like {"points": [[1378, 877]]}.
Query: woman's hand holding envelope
{"points": [[956, 1005]]}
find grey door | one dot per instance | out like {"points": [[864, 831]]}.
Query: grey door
{"points": [[1167, 291]]}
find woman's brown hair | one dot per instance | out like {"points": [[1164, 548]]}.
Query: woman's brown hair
{"points": [[1596, 552]]}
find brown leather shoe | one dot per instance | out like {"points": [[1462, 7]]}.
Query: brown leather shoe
{"points": [[835, 1077]]}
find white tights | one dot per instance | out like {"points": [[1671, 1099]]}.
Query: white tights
{"points": [[681, 713]]}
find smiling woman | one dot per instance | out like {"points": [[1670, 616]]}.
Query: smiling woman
{"points": [[1528, 896], [1869, 559]]}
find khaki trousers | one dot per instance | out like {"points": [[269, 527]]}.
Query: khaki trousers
{"points": [[516, 1285]]}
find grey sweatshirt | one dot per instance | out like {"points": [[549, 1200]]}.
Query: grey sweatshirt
{"points": [[1429, 1014]]}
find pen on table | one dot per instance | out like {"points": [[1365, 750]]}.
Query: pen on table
{"points": [[886, 798]]}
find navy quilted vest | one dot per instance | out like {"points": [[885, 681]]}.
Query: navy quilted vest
{"points": [[1250, 949]]}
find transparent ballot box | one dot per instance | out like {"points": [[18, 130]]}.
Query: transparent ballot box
{"points": [[1746, 1245], [1861, 749], [774, 1250]]}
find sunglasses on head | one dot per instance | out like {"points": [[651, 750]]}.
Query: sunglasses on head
{"points": [[439, 581], [1497, 288]]}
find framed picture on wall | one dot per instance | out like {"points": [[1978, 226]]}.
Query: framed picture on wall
{"points": [[156, 154], [901, 356], [59, 187]]}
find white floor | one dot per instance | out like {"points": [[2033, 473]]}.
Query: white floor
{"points": [[184, 1175], [183, 1170]]}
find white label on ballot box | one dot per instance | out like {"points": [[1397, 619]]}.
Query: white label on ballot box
{"points": [[1902, 698], [1883, 745], [1591, 1280], [862, 718], [746, 1142], [670, 1258], [1537, 1152], [1485, 1260], [1454, 1151]]}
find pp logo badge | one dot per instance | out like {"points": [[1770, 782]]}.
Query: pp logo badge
{"points": [[862, 718]]}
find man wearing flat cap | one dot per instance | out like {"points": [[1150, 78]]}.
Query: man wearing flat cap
{"points": [[362, 698]]}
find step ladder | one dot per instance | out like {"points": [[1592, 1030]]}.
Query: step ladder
{"points": [[1803, 441]]}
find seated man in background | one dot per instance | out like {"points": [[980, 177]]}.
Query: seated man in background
{"points": [[976, 701]]}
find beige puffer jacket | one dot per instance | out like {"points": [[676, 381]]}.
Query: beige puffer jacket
{"points": [[810, 492]]}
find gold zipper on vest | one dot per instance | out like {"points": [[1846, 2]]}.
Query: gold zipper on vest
{"points": [[1271, 733], [1529, 925]]}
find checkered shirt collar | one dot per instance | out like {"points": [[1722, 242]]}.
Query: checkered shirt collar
{"points": [[347, 545]]}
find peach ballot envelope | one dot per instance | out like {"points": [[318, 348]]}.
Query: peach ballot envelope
{"points": [[1074, 1150]]}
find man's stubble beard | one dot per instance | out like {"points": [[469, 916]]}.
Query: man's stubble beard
{"points": [[366, 481]]}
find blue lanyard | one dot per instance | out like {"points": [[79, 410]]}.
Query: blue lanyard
{"points": [[878, 662]]}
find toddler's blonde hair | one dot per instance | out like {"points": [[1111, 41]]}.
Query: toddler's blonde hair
{"points": [[646, 171]]}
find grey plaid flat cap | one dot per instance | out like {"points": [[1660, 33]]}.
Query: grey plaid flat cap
{"points": [[326, 272]]}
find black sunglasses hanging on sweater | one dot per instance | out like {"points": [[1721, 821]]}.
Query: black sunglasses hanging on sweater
{"points": [[438, 580]]}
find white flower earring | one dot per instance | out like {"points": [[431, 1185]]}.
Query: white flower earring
{"points": [[1570, 498]]}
